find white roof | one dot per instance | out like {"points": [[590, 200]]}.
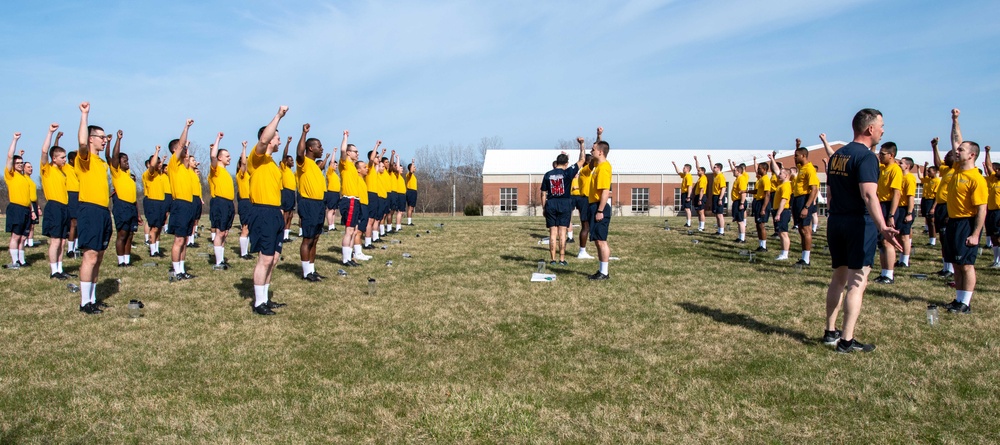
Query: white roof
{"points": [[643, 162]]}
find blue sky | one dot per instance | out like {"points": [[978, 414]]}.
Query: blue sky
{"points": [[656, 74]]}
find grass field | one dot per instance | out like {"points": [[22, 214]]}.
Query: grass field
{"points": [[686, 343]]}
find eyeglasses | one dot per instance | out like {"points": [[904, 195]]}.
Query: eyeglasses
{"points": [[352, 151], [18, 163], [98, 136]]}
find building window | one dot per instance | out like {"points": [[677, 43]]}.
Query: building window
{"points": [[822, 209], [916, 198], [508, 199], [640, 200], [677, 200]]}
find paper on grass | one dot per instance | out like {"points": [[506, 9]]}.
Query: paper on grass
{"points": [[542, 277]]}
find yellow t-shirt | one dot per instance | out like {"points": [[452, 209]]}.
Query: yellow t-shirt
{"points": [[220, 183], [942, 190], [54, 184], [265, 179], [243, 182], [164, 181], [180, 179], [701, 185], [908, 191], [686, 181], [782, 191], [890, 178], [372, 182], [363, 189], [93, 177], [741, 184], [930, 186], [966, 191], [400, 183], [383, 184], [124, 184], [287, 177], [718, 185], [150, 186], [762, 187], [600, 179], [411, 181], [993, 202], [584, 179], [349, 179], [806, 178], [72, 182], [310, 177], [332, 180], [195, 184]]}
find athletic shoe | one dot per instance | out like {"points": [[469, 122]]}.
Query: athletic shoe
{"points": [[687, 225], [569, 241], [194, 245], [274, 304], [368, 247], [90, 309], [583, 255], [943, 273], [598, 276], [101, 304], [71, 254], [882, 279], [563, 263], [995, 265], [332, 230], [362, 257], [351, 263], [263, 310], [58, 276], [184, 276], [761, 249], [221, 266], [853, 345], [830, 338], [246, 257], [310, 278], [960, 308], [802, 262], [900, 264], [553, 263], [781, 258], [23, 264], [12, 266], [317, 275], [701, 230], [286, 240]]}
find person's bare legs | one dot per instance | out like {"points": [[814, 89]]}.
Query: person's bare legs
{"points": [[553, 242], [857, 281]]}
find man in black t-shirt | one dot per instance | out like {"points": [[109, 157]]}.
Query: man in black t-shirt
{"points": [[557, 204], [854, 222]]}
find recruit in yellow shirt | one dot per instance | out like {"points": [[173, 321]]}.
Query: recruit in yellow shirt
{"points": [[180, 179], [740, 185], [718, 185], [93, 177], [411, 181], [287, 177], [701, 185], [584, 179], [349, 179], [243, 183], [220, 183], [967, 191], [930, 186], [942, 190], [124, 184], [782, 191], [600, 180], [311, 185], [54, 184], [805, 180], [762, 187], [993, 201], [908, 191], [890, 178], [686, 181], [265, 179], [72, 182], [332, 180]]}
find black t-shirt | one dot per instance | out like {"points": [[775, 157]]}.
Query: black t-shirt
{"points": [[850, 166], [557, 182]]}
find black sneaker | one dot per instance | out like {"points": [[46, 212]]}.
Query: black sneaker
{"points": [[900, 264], [246, 257], [90, 309], [761, 249], [286, 240], [598, 276], [882, 279], [184, 276], [563, 263], [952, 306], [317, 275], [220, 266], [960, 308], [687, 225], [72, 254], [569, 241], [553, 263], [942, 273], [310, 278], [101, 304], [368, 247], [802, 262], [853, 345], [58, 276], [830, 338], [263, 310], [121, 264], [274, 304], [352, 263]]}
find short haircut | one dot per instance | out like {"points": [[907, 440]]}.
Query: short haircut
{"points": [[16, 158], [701, 169], [71, 157], [764, 166], [220, 152], [742, 166], [55, 150], [864, 119], [889, 147], [687, 166], [718, 165], [975, 149], [802, 151], [260, 132], [562, 159], [311, 142], [122, 155], [91, 128], [409, 166], [172, 145], [909, 162], [996, 167], [604, 147]]}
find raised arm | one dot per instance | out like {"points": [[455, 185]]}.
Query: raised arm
{"points": [[989, 163], [284, 154], [583, 153], [343, 146], [269, 131], [697, 166], [374, 152], [600, 132], [937, 153], [12, 150], [300, 149], [826, 145], [675, 168], [732, 167], [921, 171], [113, 157], [215, 150], [243, 159], [956, 132], [45, 145], [154, 165], [324, 163], [83, 136], [59, 136], [182, 144], [774, 164]]}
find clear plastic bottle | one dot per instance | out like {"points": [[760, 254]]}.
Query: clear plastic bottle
{"points": [[73, 288], [932, 314]]}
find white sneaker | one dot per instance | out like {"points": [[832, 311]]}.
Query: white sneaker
{"points": [[995, 265], [362, 257], [583, 255], [781, 258]]}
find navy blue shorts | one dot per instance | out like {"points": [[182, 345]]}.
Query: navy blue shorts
{"points": [[93, 229], [781, 221], [718, 207], [383, 206], [168, 202], [331, 200], [905, 228], [941, 218], [155, 212], [798, 203], [582, 205], [34, 208], [350, 211], [18, 219], [558, 212], [895, 217], [198, 208], [312, 213], [599, 229], [697, 204], [55, 220], [371, 209], [181, 218], [955, 250], [73, 203], [287, 200], [267, 229], [400, 202], [244, 208], [760, 214], [221, 213], [739, 215], [126, 215], [393, 201], [846, 247], [685, 201], [411, 198], [363, 217], [992, 222], [926, 204]]}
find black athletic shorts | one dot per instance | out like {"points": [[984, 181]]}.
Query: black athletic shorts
{"points": [[852, 240]]}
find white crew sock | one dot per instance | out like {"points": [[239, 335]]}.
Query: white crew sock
{"points": [[147, 238], [54, 267], [400, 227], [409, 220], [569, 234], [375, 236], [121, 259], [85, 288], [604, 267], [583, 250], [963, 296], [190, 240], [805, 255], [762, 243], [220, 251], [70, 246], [933, 241], [177, 266], [743, 236], [905, 259], [128, 258], [300, 232], [784, 253], [212, 237], [244, 245], [305, 268], [814, 228], [13, 255], [888, 273], [701, 225], [152, 249], [312, 267], [166, 228], [287, 232], [59, 267], [381, 229], [20, 256], [93, 292], [949, 267], [330, 227], [996, 254], [157, 246], [267, 292], [346, 252], [368, 241], [259, 295], [31, 242], [357, 250]]}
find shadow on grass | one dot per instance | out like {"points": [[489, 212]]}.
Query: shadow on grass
{"points": [[515, 258], [291, 268], [37, 256], [736, 319], [244, 287], [885, 293], [107, 289]]}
